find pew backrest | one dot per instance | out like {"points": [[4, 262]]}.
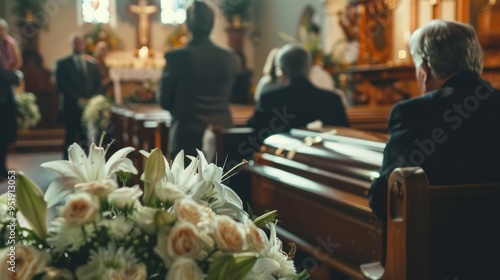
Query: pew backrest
{"points": [[434, 228]]}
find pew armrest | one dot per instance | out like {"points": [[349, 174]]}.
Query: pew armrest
{"points": [[373, 270]]}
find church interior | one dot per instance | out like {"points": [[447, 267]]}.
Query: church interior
{"points": [[318, 178]]}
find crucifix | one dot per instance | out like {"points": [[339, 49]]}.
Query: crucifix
{"points": [[144, 11]]}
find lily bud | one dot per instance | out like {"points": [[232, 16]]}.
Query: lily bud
{"points": [[29, 200]]}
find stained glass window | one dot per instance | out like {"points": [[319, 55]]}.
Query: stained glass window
{"points": [[96, 11], [173, 11]]}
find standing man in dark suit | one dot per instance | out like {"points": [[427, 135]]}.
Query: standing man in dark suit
{"points": [[452, 131], [297, 103], [8, 112], [196, 83], [78, 79]]}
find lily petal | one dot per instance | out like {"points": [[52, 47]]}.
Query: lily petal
{"points": [[122, 153], [58, 190], [124, 164], [63, 168], [232, 197]]}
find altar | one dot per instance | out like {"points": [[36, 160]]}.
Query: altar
{"points": [[125, 67], [119, 75]]}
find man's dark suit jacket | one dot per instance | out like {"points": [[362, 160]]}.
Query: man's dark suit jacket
{"points": [[196, 88], [294, 106], [453, 133], [72, 84], [7, 106]]}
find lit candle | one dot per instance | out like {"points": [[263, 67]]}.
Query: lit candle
{"points": [[143, 52], [402, 54]]}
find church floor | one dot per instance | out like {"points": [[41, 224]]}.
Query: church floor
{"points": [[29, 163]]}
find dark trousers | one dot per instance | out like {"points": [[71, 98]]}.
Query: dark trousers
{"points": [[3, 158], [75, 132]]}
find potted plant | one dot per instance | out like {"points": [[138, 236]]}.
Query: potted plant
{"points": [[28, 10]]}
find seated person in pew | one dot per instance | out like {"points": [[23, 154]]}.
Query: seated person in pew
{"points": [[452, 131], [196, 84], [299, 102]]}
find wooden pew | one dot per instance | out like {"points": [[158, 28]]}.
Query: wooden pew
{"points": [[369, 118], [433, 225], [366, 118], [320, 189], [241, 114]]}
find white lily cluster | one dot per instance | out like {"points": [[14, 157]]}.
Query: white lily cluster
{"points": [[28, 113], [97, 112], [188, 225]]}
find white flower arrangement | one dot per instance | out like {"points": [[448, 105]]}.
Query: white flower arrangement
{"points": [[28, 113], [188, 224], [97, 113]]}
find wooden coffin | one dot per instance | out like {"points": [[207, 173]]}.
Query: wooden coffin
{"points": [[319, 184]]}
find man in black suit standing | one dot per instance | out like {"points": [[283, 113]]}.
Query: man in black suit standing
{"points": [[196, 83], [299, 102], [8, 125], [78, 79], [452, 131]]}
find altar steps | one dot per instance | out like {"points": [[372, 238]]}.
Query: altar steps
{"points": [[39, 140]]}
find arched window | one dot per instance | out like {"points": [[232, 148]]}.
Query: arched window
{"points": [[98, 11], [173, 11]]}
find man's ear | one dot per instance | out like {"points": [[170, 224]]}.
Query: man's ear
{"points": [[427, 70]]}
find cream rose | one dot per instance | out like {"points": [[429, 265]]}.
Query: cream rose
{"points": [[27, 262], [188, 210], [229, 235], [166, 191], [183, 241], [100, 188], [184, 269], [256, 237], [125, 197], [136, 272], [81, 208]]}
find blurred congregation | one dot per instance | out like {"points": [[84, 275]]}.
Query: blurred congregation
{"points": [[345, 113]]}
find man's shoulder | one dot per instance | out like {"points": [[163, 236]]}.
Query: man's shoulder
{"points": [[64, 59], [176, 51], [273, 96], [328, 94]]}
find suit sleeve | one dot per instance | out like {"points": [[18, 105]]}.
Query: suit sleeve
{"points": [[167, 85], [335, 114], [400, 143], [62, 81], [8, 77], [260, 115], [341, 115]]}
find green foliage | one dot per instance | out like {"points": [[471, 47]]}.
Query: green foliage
{"points": [[235, 7], [23, 7], [231, 267]]}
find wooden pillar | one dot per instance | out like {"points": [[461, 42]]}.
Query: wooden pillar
{"points": [[414, 15], [436, 9], [462, 11]]}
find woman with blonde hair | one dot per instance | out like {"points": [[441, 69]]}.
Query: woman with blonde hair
{"points": [[271, 76]]}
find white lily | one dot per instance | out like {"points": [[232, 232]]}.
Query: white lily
{"points": [[222, 199], [274, 255], [202, 181], [81, 168]]}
